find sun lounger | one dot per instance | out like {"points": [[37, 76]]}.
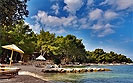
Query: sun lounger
{"points": [[7, 72]]}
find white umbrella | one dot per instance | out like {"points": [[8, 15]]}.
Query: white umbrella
{"points": [[13, 48], [40, 58]]}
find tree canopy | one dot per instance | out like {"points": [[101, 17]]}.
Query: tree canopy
{"points": [[67, 48], [19, 34], [99, 56], [12, 10], [13, 30], [70, 48], [60, 48]]}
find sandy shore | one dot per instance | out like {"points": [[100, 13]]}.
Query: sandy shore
{"points": [[31, 68], [23, 79], [27, 74]]}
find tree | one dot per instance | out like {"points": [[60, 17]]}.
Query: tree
{"points": [[45, 42], [19, 34], [70, 49], [99, 56], [12, 10]]}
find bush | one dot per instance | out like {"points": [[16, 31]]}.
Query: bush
{"points": [[56, 61]]}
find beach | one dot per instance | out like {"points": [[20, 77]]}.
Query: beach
{"points": [[23, 79], [27, 74], [32, 74]]}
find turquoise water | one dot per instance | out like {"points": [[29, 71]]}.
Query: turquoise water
{"points": [[119, 74]]}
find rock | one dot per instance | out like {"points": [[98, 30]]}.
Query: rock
{"points": [[102, 69], [73, 70], [83, 70], [91, 70], [107, 70]]}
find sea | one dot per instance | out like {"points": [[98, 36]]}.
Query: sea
{"points": [[119, 74]]}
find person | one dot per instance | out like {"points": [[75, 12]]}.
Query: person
{"points": [[60, 66], [48, 66], [7, 60], [56, 66]]}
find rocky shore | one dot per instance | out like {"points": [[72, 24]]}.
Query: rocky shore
{"points": [[74, 70]]}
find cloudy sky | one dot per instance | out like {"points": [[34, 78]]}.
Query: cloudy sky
{"points": [[106, 24]]}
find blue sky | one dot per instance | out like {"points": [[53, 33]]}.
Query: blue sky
{"points": [[106, 24]]}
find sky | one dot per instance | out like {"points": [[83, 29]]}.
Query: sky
{"points": [[106, 24]]}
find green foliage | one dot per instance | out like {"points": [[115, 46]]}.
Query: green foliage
{"points": [[67, 48], [0, 48], [70, 48], [19, 34], [12, 10], [99, 56], [0, 40], [45, 42], [57, 61]]}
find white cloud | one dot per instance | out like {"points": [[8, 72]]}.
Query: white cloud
{"points": [[58, 31], [124, 4], [99, 22], [61, 31], [54, 24], [97, 26], [83, 20], [36, 28], [95, 14], [85, 26], [102, 30], [119, 4], [83, 23], [102, 26], [110, 15], [90, 2], [73, 5], [107, 30], [53, 21], [109, 2], [55, 8]]}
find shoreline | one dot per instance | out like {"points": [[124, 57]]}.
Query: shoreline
{"points": [[33, 71], [32, 74], [23, 79], [111, 64], [95, 64], [27, 74]]}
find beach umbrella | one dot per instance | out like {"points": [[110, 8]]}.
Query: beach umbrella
{"points": [[13, 48], [40, 58]]}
